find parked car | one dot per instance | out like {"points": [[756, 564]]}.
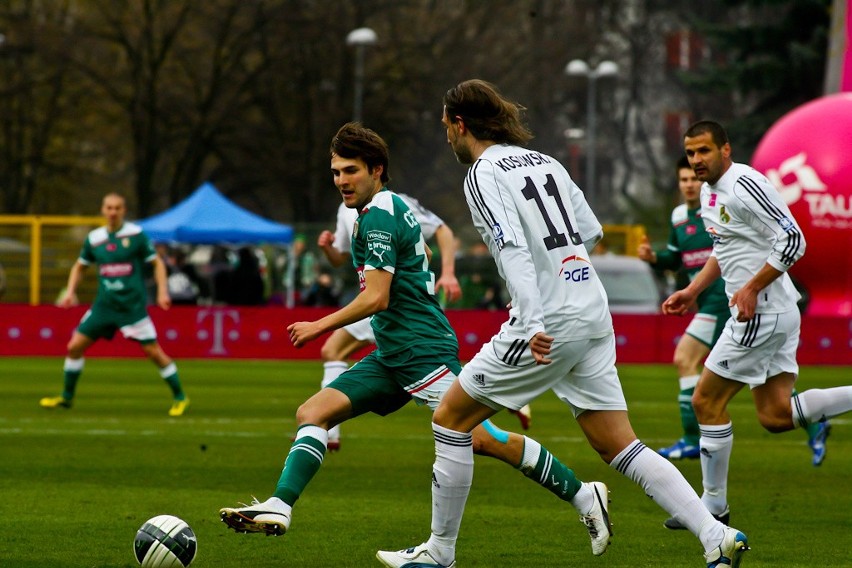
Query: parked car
{"points": [[630, 284]]}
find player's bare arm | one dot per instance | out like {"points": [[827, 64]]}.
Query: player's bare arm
{"points": [[645, 252], [745, 299], [678, 303], [161, 278], [325, 242], [447, 281], [69, 298], [372, 300]]}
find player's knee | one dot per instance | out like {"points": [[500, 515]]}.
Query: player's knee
{"points": [[309, 413], [775, 420], [685, 364], [329, 353], [706, 408]]}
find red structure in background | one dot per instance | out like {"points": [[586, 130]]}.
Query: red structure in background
{"points": [[806, 155], [260, 333]]}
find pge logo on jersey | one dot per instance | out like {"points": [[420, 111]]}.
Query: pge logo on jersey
{"points": [[575, 269]]}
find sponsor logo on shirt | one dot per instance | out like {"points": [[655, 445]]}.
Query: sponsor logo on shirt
{"points": [[111, 247], [378, 243], [713, 234], [712, 202], [573, 269], [497, 234], [691, 229], [362, 281], [695, 258], [115, 269]]}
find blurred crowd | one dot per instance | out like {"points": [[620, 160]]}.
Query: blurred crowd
{"points": [[300, 275]]}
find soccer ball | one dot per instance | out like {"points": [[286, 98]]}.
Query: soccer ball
{"points": [[165, 542]]}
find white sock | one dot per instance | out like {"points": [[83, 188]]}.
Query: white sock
{"points": [[452, 475], [584, 500], [716, 445], [814, 405], [330, 371], [664, 483], [688, 382], [74, 364]]}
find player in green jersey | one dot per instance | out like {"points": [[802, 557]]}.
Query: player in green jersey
{"points": [[416, 355], [120, 250], [688, 247]]}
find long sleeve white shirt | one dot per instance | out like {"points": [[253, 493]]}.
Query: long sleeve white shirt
{"points": [[534, 220], [751, 226]]}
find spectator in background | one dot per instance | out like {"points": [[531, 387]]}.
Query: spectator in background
{"points": [[245, 287], [324, 292], [184, 282], [300, 269], [219, 271], [482, 287]]}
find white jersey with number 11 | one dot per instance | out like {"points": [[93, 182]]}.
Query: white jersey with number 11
{"points": [[534, 219]]}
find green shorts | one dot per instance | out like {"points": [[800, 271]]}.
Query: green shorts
{"points": [[373, 385], [101, 322]]}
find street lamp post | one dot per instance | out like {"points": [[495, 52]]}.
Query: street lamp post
{"points": [[360, 38], [578, 67]]}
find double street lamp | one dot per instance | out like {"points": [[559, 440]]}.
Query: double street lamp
{"points": [[361, 38], [579, 68]]}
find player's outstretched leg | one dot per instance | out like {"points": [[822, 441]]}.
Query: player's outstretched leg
{"points": [[817, 436], [272, 517], [730, 552], [538, 464], [417, 556], [72, 370], [687, 446]]}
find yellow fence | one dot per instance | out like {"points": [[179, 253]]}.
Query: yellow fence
{"points": [[37, 252]]}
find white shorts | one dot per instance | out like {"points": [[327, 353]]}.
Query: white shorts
{"points": [[361, 330], [142, 330], [750, 352], [583, 375]]}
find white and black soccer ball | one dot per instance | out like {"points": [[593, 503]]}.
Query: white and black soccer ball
{"points": [[165, 542]]}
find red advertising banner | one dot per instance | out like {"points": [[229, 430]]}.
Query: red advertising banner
{"points": [[260, 333]]}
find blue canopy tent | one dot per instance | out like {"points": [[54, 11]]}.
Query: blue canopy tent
{"points": [[208, 217]]}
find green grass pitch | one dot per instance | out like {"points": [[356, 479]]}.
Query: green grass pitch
{"points": [[75, 485]]}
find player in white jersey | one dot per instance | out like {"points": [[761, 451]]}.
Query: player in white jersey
{"points": [[755, 241], [559, 335]]}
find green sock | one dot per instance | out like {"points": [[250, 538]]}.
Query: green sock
{"points": [[542, 467], [170, 375], [72, 368], [302, 463], [688, 420], [71, 378]]}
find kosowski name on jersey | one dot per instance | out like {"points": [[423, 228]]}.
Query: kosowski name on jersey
{"points": [[522, 161]]}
